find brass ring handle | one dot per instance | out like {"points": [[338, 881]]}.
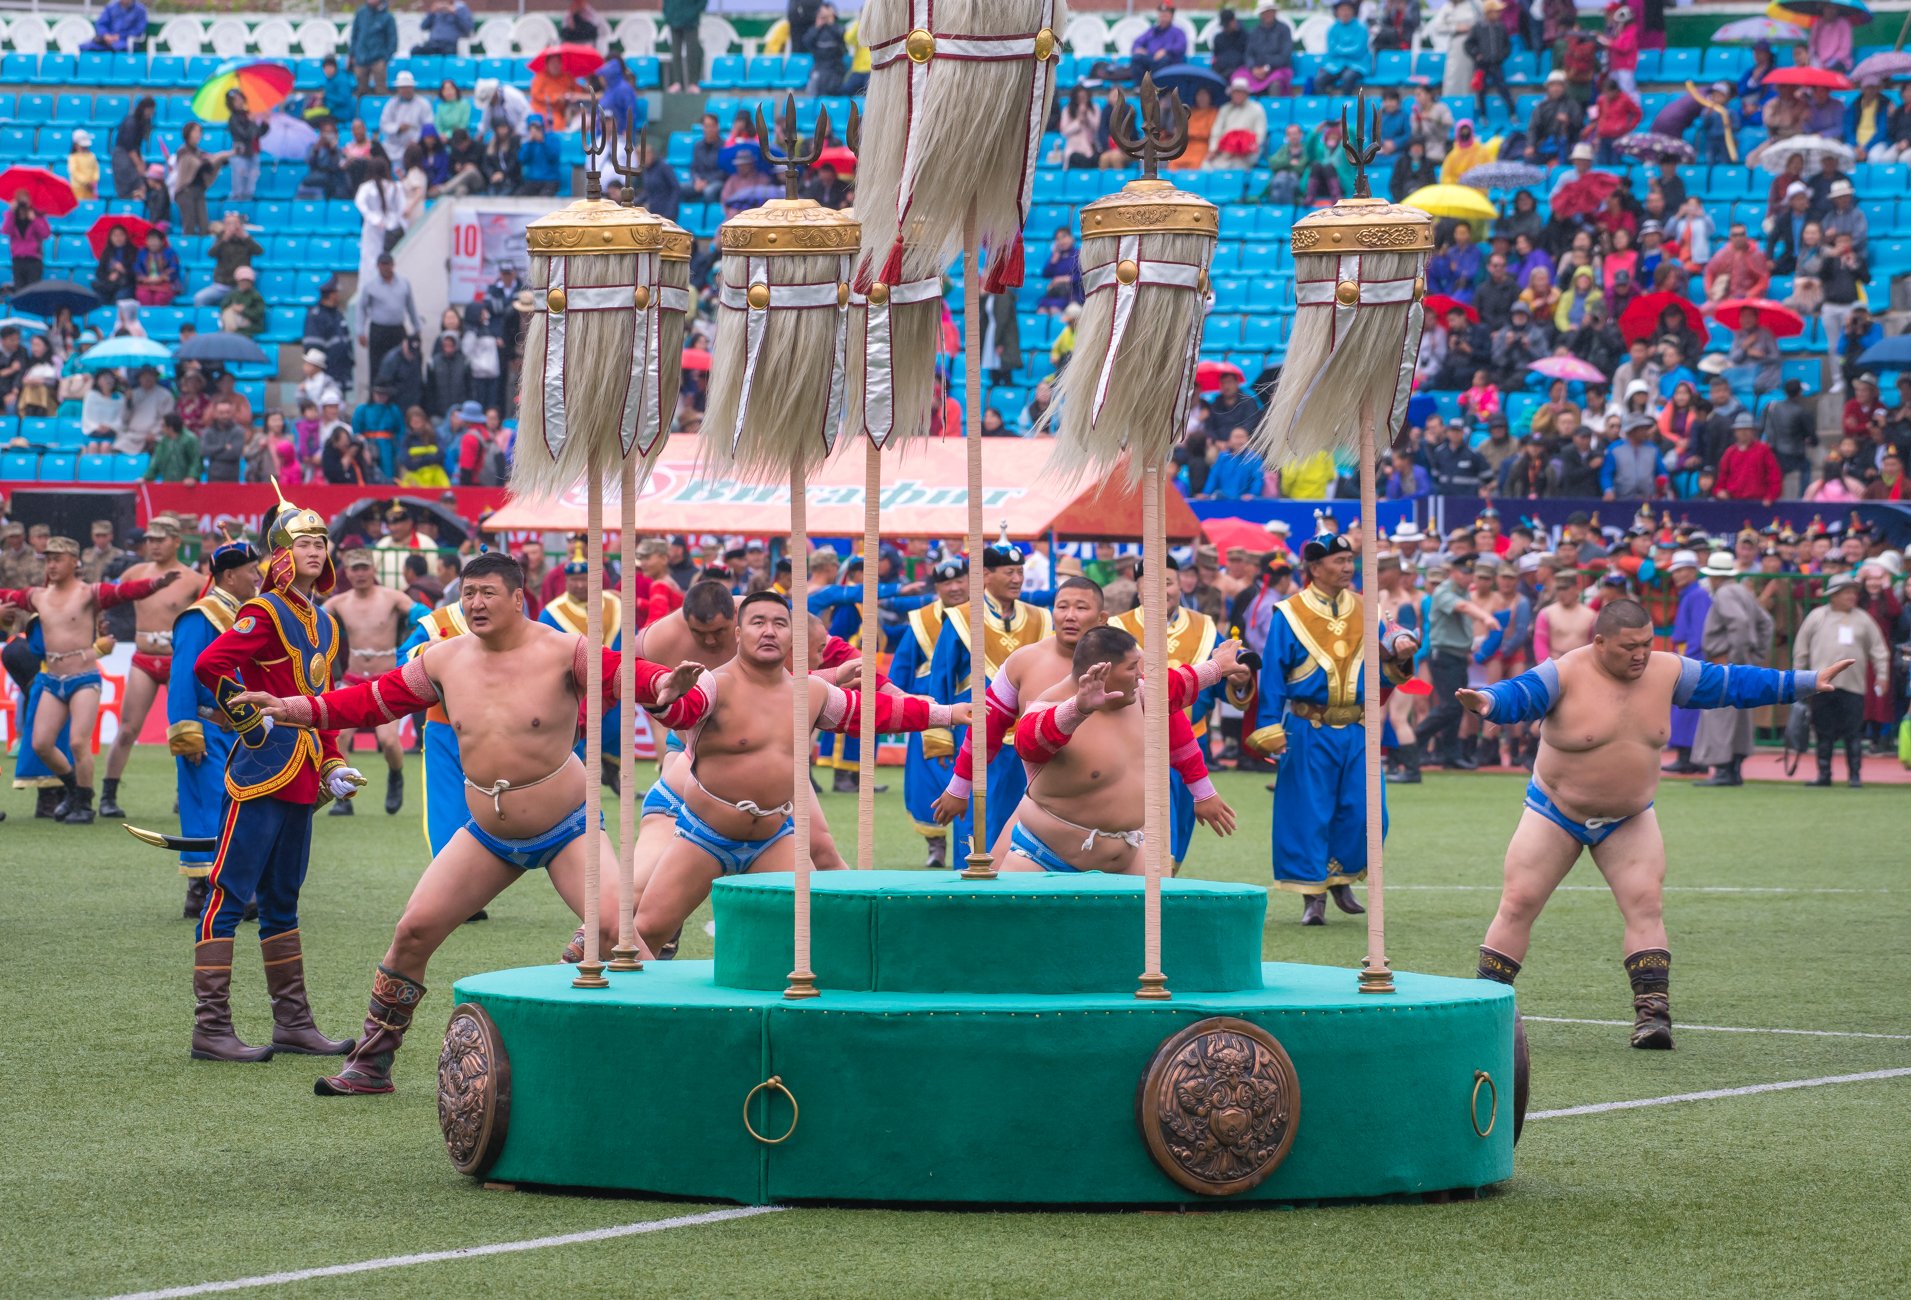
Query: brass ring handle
{"points": [[1473, 1107], [776, 1082]]}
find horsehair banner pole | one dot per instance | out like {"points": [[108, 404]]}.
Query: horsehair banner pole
{"points": [[1359, 283], [978, 865], [625, 956], [1154, 703], [802, 979], [872, 639], [590, 971]]}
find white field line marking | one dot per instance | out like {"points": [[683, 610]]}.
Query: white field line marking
{"points": [[1713, 1094], [1730, 1029], [1670, 889], [466, 1252]]}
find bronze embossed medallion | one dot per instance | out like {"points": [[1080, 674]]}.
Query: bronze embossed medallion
{"points": [[474, 1090], [1219, 1106]]}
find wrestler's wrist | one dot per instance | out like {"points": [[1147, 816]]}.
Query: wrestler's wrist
{"points": [[1206, 674], [1067, 716], [941, 715], [1202, 790], [959, 787]]}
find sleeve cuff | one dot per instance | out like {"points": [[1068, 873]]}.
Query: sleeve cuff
{"points": [[941, 715], [960, 787], [1268, 741], [1202, 789], [186, 739], [937, 742]]}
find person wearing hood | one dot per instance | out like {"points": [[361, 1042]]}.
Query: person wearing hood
{"points": [[538, 159], [620, 102], [1468, 152]]}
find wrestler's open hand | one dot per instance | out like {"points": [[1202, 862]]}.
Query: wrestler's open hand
{"points": [[1091, 690], [168, 578], [847, 674], [948, 807], [271, 706], [1227, 657], [1215, 815], [678, 683], [1825, 675], [961, 715], [1475, 701]]}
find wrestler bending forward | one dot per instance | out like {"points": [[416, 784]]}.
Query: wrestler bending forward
{"points": [[1607, 710], [737, 776], [1084, 747], [511, 690]]}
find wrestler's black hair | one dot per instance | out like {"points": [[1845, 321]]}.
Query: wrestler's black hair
{"points": [[1101, 645], [760, 597], [488, 564], [708, 601], [1616, 616], [1083, 584]]}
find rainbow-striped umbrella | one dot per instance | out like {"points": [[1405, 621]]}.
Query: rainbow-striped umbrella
{"points": [[264, 85]]}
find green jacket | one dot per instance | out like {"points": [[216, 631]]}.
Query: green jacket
{"points": [[684, 13], [250, 306], [175, 460], [228, 255]]}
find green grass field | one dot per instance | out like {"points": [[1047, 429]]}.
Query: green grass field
{"points": [[125, 1166]]}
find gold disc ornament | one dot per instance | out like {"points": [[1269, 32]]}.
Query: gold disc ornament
{"points": [[1219, 1106], [474, 1090]]}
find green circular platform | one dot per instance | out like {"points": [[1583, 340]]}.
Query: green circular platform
{"points": [[977, 1042]]}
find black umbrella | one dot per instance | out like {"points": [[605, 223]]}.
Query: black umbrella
{"points": [[44, 297], [452, 531], [221, 346], [1186, 78]]}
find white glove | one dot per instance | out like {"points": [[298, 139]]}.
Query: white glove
{"points": [[343, 782], [266, 730]]}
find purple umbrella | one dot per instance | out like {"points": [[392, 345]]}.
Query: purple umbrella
{"points": [[287, 138], [1655, 147], [1882, 66]]}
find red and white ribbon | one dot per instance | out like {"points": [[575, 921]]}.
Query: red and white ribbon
{"points": [[554, 368], [789, 297], [879, 353], [1148, 272]]}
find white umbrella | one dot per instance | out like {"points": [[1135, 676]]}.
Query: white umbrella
{"points": [[1813, 147], [287, 138]]}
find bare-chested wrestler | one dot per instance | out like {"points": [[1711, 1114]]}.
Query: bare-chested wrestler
{"points": [[1084, 747], [510, 689], [1567, 623], [1607, 710], [1025, 675], [1400, 608], [736, 778], [67, 688], [154, 617], [377, 619]]}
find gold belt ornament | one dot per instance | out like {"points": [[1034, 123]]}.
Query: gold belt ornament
{"points": [[1327, 715]]}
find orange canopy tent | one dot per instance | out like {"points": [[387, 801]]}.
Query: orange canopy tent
{"points": [[924, 495]]}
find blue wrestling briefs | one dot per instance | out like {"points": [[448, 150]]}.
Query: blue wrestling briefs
{"points": [[1590, 833], [673, 743], [534, 854], [661, 801], [733, 856], [1024, 842], [64, 689]]}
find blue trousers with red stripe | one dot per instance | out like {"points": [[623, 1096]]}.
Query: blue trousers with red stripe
{"points": [[263, 853]]}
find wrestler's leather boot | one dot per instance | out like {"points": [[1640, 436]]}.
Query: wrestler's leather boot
{"points": [[212, 1036], [939, 852], [1344, 899], [1650, 973], [109, 798], [1314, 909], [574, 950], [292, 1027], [196, 891], [367, 1070], [394, 791], [81, 813], [69, 793]]}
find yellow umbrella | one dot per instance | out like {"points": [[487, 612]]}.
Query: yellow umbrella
{"points": [[1461, 201]]}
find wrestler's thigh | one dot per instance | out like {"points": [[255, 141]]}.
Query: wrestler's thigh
{"points": [[682, 881], [461, 879], [1000, 848], [824, 854], [567, 876], [1537, 858], [85, 708], [780, 856], [1632, 859], [389, 735], [140, 692], [654, 834], [48, 718]]}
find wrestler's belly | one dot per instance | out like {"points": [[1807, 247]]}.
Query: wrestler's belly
{"points": [[736, 778], [520, 814], [1113, 856], [155, 642], [1615, 779]]}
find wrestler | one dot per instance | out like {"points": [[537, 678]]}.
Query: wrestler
{"points": [[68, 685], [1084, 748], [1607, 712], [510, 688], [1024, 675], [376, 618], [1566, 624], [736, 776], [154, 617]]}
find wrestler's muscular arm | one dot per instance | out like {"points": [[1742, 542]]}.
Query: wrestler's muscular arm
{"points": [[109, 594], [840, 711]]}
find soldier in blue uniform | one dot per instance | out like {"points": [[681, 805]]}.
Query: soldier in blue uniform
{"points": [[195, 733], [927, 764], [1309, 714]]}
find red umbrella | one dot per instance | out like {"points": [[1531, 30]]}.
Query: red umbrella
{"points": [[1640, 319], [1437, 306], [839, 157], [135, 228], [696, 359], [50, 194], [1826, 77], [579, 60], [1228, 533], [1583, 195], [1781, 320], [1207, 375]]}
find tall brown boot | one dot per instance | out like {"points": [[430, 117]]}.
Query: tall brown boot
{"points": [[367, 1070], [212, 1036], [292, 1027]]}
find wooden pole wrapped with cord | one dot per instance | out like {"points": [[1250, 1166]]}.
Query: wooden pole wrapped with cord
{"points": [[624, 957], [590, 971], [1154, 704], [872, 638], [802, 978], [1375, 975], [978, 865]]}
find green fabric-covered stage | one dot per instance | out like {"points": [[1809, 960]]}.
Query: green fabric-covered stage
{"points": [[981, 1042]]}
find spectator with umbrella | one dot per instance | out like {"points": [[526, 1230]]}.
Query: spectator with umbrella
{"points": [[156, 275], [27, 232], [554, 85], [1755, 345]]}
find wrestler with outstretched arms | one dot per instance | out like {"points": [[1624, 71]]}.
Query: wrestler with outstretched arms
{"points": [[737, 779], [1084, 744], [376, 619], [68, 684], [154, 617], [510, 689], [1025, 675], [1607, 708]]}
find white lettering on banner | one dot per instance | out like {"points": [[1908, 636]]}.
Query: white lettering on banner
{"points": [[467, 258]]}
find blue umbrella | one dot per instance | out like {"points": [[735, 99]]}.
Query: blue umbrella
{"points": [[123, 351], [45, 297], [1504, 176], [728, 155], [1893, 353], [1186, 78]]}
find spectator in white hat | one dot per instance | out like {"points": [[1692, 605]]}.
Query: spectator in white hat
{"points": [[1846, 217], [405, 117], [1738, 631]]}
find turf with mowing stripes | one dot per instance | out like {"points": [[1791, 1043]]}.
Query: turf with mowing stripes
{"points": [[126, 1166]]}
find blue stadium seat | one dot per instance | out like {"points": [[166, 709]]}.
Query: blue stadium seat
{"points": [[96, 468], [1678, 63], [91, 68], [19, 68], [1430, 65], [1009, 401], [284, 325], [1809, 372], [429, 69], [1522, 69], [130, 469], [19, 466], [109, 109], [277, 286], [765, 72], [58, 69], [1726, 62], [1392, 67], [40, 430], [509, 71], [1267, 333], [16, 142], [646, 71], [35, 107], [174, 112], [678, 152], [307, 75], [461, 70], [341, 217], [726, 72], [57, 467], [796, 75], [306, 284], [166, 70]]}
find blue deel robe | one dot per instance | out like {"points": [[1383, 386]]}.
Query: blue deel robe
{"points": [[930, 756], [949, 683], [445, 812], [189, 705], [29, 773], [1688, 632]]}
